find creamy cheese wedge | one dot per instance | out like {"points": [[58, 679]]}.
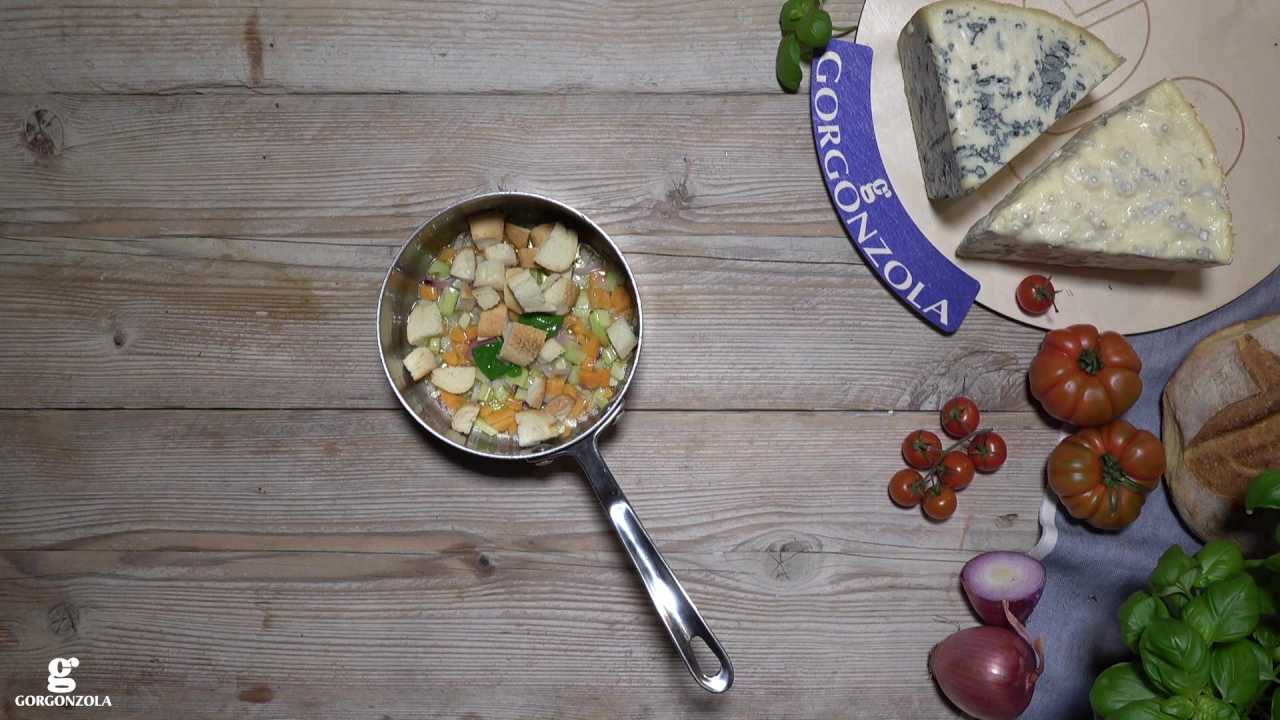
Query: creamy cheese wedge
{"points": [[984, 80], [1137, 188]]}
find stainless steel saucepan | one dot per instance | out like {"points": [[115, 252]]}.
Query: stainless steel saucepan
{"points": [[400, 292]]}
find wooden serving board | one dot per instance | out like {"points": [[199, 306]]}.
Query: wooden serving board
{"points": [[1225, 58]]}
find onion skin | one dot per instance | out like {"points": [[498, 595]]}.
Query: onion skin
{"points": [[988, 672], [988, 602]]}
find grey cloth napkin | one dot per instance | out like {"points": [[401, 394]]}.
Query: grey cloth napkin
{"points": [[1092, 572]]}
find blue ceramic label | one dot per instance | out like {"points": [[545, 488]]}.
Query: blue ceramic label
{"points": [[845, 136]]}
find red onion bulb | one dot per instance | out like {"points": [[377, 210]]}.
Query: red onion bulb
{"points": [[992, 578], [988, 672]]}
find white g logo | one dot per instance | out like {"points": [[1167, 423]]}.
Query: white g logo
{"points": [[59, 669]]}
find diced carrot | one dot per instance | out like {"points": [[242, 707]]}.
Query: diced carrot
{"points": [[505, 425], [458, 336], [587, 364], [514, 404], [594, 378], [570, 390], [486, 411], [428, 292], [599, 298], [472, 332], [451, 401], [575, 324], [621, 300], [501, 416], [579, 408], [596, 279], [608, 393], [447, 254], [591, 348], [555, 385], [451, 358]]}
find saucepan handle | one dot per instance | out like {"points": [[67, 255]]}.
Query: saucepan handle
{"points": [[677, 611]]}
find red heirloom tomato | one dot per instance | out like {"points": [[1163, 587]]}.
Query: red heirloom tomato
{"points": [[1085, 378], [959, 417], [1103, 474]]}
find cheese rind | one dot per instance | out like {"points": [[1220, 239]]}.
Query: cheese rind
{"points": [[985, 79], [1137, 188]]}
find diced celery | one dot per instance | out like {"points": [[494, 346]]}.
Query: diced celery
{"points": [[500, 394], [464, 320], [618, 371], [434, 346], [484, 427], [538, 275], [608, 356], [439, 270], [600, 320], [583, 302], [573, 376], [485, 392], [612, 280], [522, 394], [448, 301], [601, 400], [613, 381], [521, 380], [573, 353], [561, 364]]}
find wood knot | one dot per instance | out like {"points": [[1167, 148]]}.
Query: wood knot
{"points": [[118, 338], [43, 133], [256, 694], [62, 620], [484, 565], [794, 560]]}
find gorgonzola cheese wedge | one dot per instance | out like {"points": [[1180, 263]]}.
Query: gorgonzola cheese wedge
{"points": [[985, 79], [1137, 188]]}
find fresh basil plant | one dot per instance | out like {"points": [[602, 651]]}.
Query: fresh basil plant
{"points": [[1206, 632]]}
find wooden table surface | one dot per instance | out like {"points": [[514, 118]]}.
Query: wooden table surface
{"points": [[208, 494]]}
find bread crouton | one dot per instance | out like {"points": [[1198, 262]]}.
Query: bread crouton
{"points": [[486, 228], [501, 252], [489, 273], [487, 297], [522, 344], [539, 235], [420, 362], [559, 251], [517, 236], [424, 323], [493, 322]]}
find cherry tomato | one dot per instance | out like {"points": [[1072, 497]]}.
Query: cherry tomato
{"points": [[959, 416], [956, 471], [1036, 295], [988, 451], [921, 449], [906, 488], [940, 505]]}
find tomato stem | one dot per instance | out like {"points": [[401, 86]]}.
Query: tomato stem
{"points": [[931, 478], [1090, 361]]}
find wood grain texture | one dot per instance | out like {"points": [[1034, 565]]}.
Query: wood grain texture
{"points": [[372, 481], [527, 634], [373, 46], [358, 167], [731, 322]]}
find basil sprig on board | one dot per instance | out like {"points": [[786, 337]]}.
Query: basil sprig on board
{"points": [[805, 28], [1207, 634]]}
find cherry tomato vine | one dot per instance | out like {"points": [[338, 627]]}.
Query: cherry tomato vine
{"points": [[937, 473]]}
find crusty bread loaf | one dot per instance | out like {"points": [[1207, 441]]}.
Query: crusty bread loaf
{"points": [[1222, 428]]}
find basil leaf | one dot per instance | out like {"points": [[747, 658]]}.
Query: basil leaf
{"points": [[1118, 686], [1176, 603], [1227, 611], [1234, 672], [1141, 710], [1139, 611], [1263, 492], [1180, 707], [487, 360], [1265, 668], [1275, 704], [814, 29], [1219, 560], [1211, 708], [792, 11], [788, 65], [1266, 636], [1175, 657], [543, 321], [1169, 570]]}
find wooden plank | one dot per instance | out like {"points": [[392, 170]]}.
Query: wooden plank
{"points": [[731, 322], [392, 46], [706, 483], [357, 167], [336, 635]]}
